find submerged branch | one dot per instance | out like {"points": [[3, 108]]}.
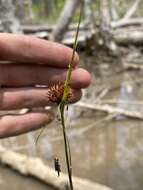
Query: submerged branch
{"points": [[34, 167], [112, 110]]}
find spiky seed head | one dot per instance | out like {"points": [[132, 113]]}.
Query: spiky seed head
{"points": [[55, 93]]}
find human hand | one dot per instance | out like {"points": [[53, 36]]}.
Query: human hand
{"points": [[26, 64]]}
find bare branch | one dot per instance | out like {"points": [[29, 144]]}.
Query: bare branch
{"points": [[132, 10], [128, 22], [64, 19], [112, 110], [114, 13]]}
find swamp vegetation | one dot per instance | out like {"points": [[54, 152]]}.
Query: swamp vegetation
{"points": [[105, 127]]}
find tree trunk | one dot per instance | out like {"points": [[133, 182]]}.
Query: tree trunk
{"points": [[30, 11], [104, 17], [65, 19], [7, 16], [105, 27], [48, 7], [114, 13], [88, 15], [20, 9]]}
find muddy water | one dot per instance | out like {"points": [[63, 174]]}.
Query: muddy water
{"points": [[108, 150], [10, 180]]}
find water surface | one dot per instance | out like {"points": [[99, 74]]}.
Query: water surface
{"points": [[105, 150]]}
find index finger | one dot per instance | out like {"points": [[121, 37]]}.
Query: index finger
{"points": [[21, 48]]}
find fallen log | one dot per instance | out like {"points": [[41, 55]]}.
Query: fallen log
{"points": [[125, 23], [127, 37], [29, 29], [36, 168], [133, 66], [122, 36]]}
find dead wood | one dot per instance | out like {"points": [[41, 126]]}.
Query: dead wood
{"points": [[112, 110], [133, 66], [128, 22], [36, 168]]}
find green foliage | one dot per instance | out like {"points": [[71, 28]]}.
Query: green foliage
{"points": [[57, 6]]}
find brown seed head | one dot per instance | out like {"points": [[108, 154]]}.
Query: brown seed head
{"points": [[55, 93]]}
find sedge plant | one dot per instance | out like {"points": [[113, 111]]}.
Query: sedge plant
{"points": [[65, 90], [63, 103]]}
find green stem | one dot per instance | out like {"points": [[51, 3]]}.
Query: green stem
{"points": [[66, 146], [63, 103], [67, 81]]}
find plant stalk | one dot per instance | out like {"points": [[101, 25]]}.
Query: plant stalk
{"points": [[65, 100]]}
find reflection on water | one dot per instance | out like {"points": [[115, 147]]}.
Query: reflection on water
{"points": [[109, 151]]}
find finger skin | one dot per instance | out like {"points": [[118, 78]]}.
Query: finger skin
{"points": [[18, 98], [21, 48], [33, 62], [20, 75], [15, 125]]}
